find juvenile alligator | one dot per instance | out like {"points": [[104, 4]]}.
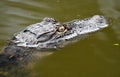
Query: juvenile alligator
{"points": [[46, 35]]}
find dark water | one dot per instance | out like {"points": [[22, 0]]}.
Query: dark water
{"points": [[96, 56]]}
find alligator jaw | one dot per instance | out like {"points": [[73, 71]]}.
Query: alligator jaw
{"points": [[85, 26]]}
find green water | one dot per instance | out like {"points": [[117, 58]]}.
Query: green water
{"points": [[95, 56]]}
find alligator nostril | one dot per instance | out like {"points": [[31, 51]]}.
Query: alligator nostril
{"points": [[100, 21]]}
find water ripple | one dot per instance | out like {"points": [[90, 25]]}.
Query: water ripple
{"points": [[32, 3], [108, 7]]}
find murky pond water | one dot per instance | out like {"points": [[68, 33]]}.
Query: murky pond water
{"points": [[96, 56]]}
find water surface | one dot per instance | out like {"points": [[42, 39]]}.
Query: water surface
{"points": [[95, 56]]}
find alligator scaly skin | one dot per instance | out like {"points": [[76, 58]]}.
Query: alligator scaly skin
{"points": [[46, 35]]}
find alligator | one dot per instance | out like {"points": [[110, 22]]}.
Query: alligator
{"points": [[47, 35]]}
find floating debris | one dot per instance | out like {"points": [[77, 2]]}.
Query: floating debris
{"points": [[116, 44]]}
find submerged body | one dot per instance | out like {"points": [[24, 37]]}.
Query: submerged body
{"points": [[46, 35]]}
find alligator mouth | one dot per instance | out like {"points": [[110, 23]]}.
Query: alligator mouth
{"points": [[78, 28]]}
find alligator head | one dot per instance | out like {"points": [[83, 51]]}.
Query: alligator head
{"points": [[51, 34]]}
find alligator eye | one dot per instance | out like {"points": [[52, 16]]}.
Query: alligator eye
{"points": [[61, 29]]}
